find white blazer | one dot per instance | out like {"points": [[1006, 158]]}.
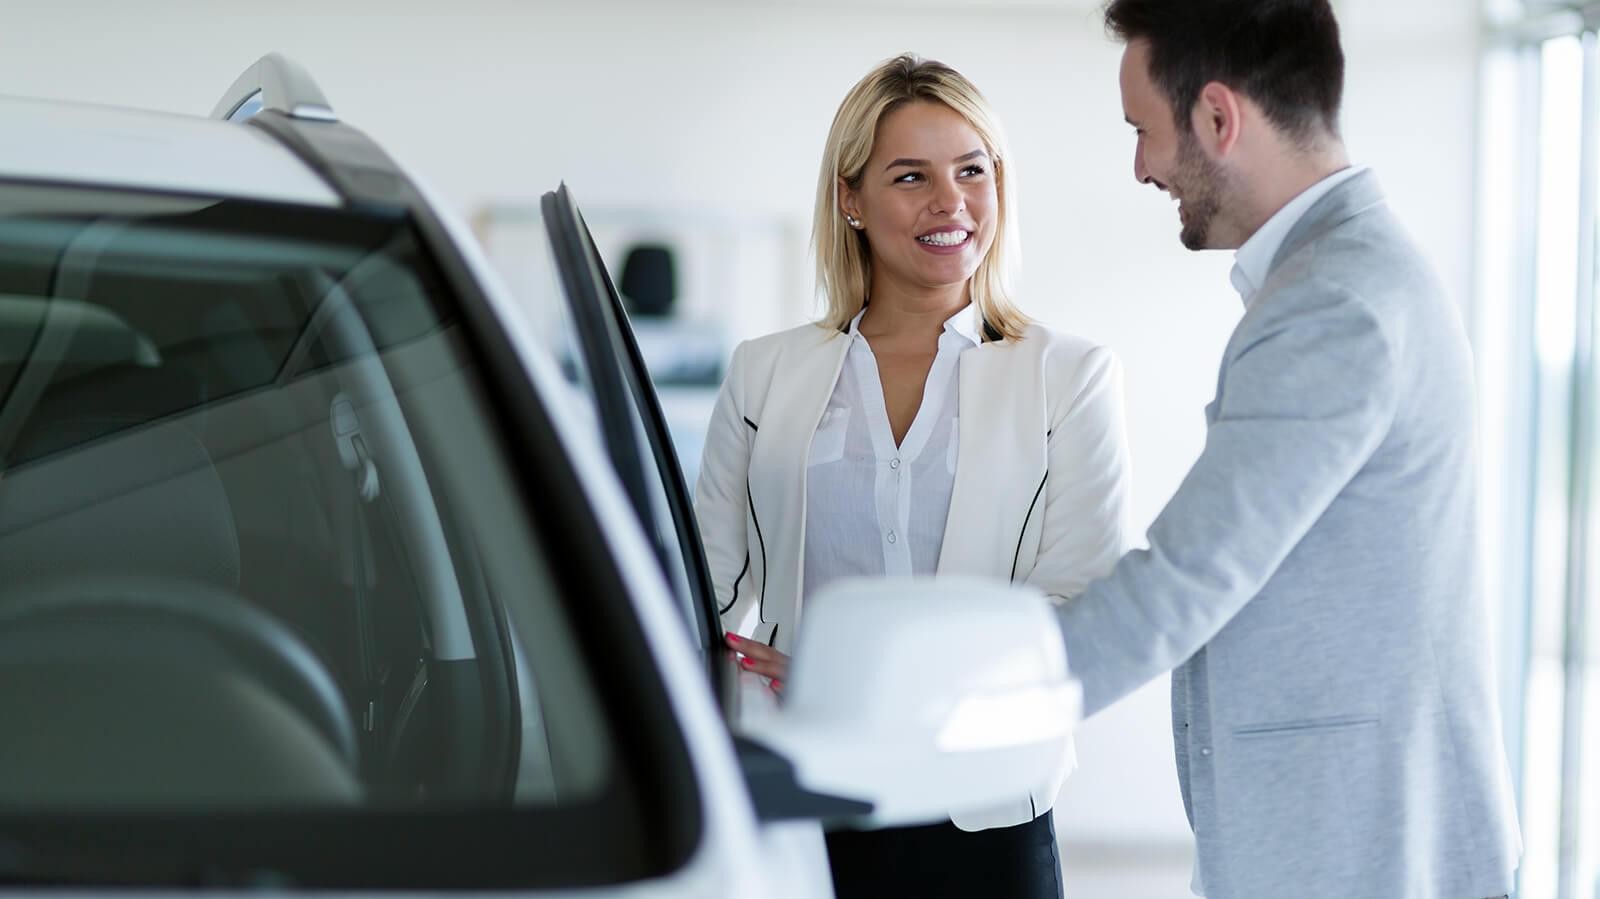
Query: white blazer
{"points": [[1040, 492]]}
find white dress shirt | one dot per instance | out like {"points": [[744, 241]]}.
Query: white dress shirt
{"points": [[1253, 261], [874, 508]]}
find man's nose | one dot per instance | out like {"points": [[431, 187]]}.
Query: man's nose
{"points": [[1140, 172]]}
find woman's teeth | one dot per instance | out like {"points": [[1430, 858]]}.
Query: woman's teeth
{"points": [[945, 238]]}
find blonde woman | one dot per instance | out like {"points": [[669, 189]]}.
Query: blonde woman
{"points": [[924, 427]]}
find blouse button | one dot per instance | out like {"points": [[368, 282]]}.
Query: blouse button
{"points": [[894, 463], [891, 537]]}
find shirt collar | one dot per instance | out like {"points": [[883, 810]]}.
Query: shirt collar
{"points": [[964, 324], [1253, 261]]}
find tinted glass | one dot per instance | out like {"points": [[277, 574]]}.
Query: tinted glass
{"points": [[266, 556]]}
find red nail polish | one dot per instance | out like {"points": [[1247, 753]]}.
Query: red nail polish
{"points": [[747, 663], [733, 638]]}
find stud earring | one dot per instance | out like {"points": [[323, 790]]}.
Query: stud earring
{"points": [[854, 222]]}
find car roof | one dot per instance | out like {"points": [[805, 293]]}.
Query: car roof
{"points": [[104, 146]]}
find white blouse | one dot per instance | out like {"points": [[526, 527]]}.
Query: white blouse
{"points": [[873, 508]]}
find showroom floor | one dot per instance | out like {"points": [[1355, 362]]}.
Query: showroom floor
{"points": [[1124, 873]]}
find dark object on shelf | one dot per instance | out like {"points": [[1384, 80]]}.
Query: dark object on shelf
{"points": [[649, 280]]}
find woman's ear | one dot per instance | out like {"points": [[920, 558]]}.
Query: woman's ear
{"points": [[849, 205]]}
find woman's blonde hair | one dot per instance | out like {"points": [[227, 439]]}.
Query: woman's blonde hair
{"points": [[844, 259]]}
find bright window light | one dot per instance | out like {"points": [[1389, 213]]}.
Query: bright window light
{"points": [[1555, 323]]}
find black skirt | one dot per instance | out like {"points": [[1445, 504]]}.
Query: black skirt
{"points": [[942, 860]]}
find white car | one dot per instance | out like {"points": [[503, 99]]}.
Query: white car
{"points": [[326, 565]]}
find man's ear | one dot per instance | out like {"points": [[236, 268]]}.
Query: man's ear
{"points": [[1217, 119]]}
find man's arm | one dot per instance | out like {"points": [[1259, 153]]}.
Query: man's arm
{"points": [[1307, 396]]}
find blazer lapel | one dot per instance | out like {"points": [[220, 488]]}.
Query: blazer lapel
{"points": [[1343, 203], [798, 395], [1000, 464]]}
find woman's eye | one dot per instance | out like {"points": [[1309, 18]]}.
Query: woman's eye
{"points": [[908, 178], [973, 170]]}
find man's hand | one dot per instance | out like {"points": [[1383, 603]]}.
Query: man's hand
{"points": [[761, 659]]}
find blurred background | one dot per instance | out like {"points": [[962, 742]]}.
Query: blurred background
{"points": [[691, 132]]}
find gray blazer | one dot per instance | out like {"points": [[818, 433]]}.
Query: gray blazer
{"points": [[1314, 582]]}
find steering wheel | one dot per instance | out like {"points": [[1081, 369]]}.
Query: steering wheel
{"points": [[176, 623]]}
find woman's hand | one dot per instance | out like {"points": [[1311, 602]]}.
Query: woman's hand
{"points": [[761, 659]]}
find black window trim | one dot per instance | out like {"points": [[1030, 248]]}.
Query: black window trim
{"points": [[612, 319]]}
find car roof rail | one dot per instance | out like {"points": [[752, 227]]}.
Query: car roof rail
{"points": [[274, 82]]}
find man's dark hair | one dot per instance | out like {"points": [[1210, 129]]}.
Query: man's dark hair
{"points": [[1282, 54]]}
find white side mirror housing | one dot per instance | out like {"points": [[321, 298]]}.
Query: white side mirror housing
{"points": [[924, 697]]}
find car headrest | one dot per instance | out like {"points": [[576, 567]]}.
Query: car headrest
{"points": [[78, 408], [145, 501]]}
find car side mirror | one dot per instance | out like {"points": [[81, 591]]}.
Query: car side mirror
{"points": [[909, 699]]}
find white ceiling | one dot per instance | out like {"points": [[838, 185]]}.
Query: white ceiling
{"points": [[1075, 7]]}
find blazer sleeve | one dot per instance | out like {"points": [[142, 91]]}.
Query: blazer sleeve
{"points": [[721, 496], [1308, 392], [1085, 500]]}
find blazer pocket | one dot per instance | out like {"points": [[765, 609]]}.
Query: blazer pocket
{"points": [[828, 443], [1303, 787], [1306, 726]]}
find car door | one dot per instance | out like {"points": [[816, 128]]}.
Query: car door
{"points": [[607, 361], [640, 445]]}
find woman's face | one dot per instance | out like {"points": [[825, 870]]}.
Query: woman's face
{"points": [[927, 199]]}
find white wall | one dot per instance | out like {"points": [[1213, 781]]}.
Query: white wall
{"points": [[720, 108]]}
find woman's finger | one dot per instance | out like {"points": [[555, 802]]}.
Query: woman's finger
{"points": [[753, 649], [778, 669]]}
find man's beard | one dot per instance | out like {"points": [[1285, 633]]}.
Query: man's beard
{"points": [[1199, 183]]}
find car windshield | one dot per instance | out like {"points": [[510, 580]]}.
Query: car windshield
{"points": [[275, 608]]}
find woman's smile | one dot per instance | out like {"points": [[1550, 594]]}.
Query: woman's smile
{"points": [[947, 241]]}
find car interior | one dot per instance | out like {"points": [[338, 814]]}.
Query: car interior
{"points": [[249, 524]]}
